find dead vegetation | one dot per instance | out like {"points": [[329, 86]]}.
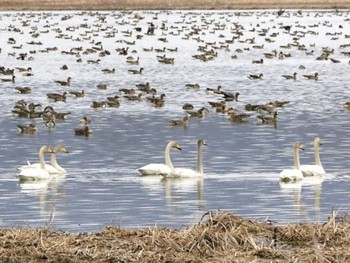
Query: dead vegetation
{"points": [[218, 238]]}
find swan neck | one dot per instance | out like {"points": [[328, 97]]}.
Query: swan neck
{"points": [[41, 159], [317, 155], [167, 156], [199, 159], [296, 159], [54, 161]]}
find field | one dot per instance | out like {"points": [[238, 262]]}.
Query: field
{"points": [[168, 4], [221, 237]]}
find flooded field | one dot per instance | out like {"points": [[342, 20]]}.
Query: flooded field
{"points": [[242, 160]]}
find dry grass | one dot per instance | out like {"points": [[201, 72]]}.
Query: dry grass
{"points": [[220, 238], [170, 4]]}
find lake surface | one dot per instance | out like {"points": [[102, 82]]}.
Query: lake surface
{"points": [[242, 162]]}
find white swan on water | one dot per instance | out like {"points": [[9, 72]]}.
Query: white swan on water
{"points": [[294, 174], [160, 168], [54, 168], [186, 172], [317, 168], [36, 173]]}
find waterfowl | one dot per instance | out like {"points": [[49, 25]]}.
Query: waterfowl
{"points": [[49, 119], [293, 77], [252, 76], [346, 105], [202, 112], [268, 119], [12, 79], [260, 61], [218, 90], [294, 174], [86, 131], [312, 77], [54, 168], [30, 128], [133, 61], [64, 67], [144, 86], [179, 123], [239, 117], [23, 90], [108, 71], [85, 120], [102, 86], [133, 97], [78, 94], [98, 104], [57, 96], [64, 83], [229, 96], [187, 106], [186, 172], [135, 71], [159, 168], [192, 86], [317, 168], [36, 173]]}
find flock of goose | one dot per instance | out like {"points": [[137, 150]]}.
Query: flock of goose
{"points": [[91, 45]]}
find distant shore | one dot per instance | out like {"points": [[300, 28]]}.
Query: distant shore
{"points": [[169, 4]]}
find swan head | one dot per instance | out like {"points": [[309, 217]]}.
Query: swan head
{"points": [[175, 145], [60, 148], [202, 142], [298, 146], [317, 142], [46, 149]]}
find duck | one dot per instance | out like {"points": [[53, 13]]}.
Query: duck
{"points": [[186, 172], [57, 96], [293, 77], [30, 128], [346, 105], [63, 82], [23, 90], [86, 131], [36, 173], [312, 77], [317, 168], [78, 94], [108, 71], [85, 120], [187, 106], [54, 168], [293, 174], [202, 112], [179, 123], [160, 168]]}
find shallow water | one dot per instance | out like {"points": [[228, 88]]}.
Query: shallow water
{"points": [[241, 161]]}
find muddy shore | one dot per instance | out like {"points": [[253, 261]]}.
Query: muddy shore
{"points": [[168, 4]]}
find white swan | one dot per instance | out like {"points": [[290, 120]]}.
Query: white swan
{"points": [[186, 172], [159, 168], [317, 168], [295, 174], [54, 168], [36, 173]]}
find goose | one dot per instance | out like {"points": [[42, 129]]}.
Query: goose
{"points": [[23, 90], [293, 77], [12, 79], [312, 77], [86, 131], [252, 76], [293, 174], [135, 71], [36, 173], [159, 168], [64, 83], [186, 172], [317, 168], [30, 128], [267, 119], [57, 96], [54, 168], [78, 94]]}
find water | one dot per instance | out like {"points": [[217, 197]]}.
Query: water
{"points": [[241, 162]]}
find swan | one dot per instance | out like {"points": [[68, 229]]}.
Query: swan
{"points": [[54, 168], [317, 168], [36, 173], [294, 174], [159, 168], [186, 172]]}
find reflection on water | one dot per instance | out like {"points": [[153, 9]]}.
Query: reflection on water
{"points": [[242, 160]]}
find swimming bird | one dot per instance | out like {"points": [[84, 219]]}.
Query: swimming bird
{"points": [[186, 172], [160, 168], [85, 120], [179, 123], [294, 174], [312, 77], [253, 77], [57, 96], [36, 173], [268, 119], [54, 167], [135, 71], [86, 131], [317, 168], [30, 128], [23, 90], [12, 79], [293, 77], [64, 83]]}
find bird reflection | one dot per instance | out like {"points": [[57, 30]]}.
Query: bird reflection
{"points": [[174, 186]]}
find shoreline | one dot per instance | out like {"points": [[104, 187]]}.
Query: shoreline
{"points": [[33, 5]]}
